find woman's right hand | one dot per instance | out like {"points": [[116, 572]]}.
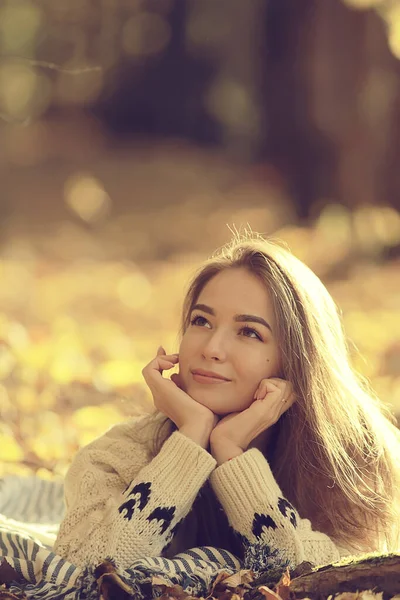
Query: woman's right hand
{"points": [[191, 418]]}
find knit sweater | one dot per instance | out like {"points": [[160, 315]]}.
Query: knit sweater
{"points": [[122, 502]]}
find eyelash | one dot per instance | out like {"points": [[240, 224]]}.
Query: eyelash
{"points": [[245, 328]]}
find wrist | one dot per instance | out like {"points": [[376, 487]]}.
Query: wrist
{"points": [[224, 451], [200, 436]]}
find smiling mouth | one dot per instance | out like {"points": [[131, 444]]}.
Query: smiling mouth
{"points": [[207, 379]]}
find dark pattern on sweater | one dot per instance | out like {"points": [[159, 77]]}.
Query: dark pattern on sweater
{"points": [[171, 535], [141, 489], [163, 514], [261, 521], [287, 510]]}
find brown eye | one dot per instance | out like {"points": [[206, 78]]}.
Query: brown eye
{"points": [[198, 320], [247, 331]]}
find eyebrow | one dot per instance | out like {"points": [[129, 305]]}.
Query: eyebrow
{"points": [[237, 318]]}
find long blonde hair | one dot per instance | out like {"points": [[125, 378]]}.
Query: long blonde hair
{"points": [[335, 451]]}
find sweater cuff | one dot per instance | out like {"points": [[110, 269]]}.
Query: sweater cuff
{"points": [[181, 464], [243, 485]]}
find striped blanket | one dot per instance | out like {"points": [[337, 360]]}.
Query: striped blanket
{"points": [[31, 510]]}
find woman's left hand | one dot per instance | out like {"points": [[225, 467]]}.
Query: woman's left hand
{"points": [[233, 434]]}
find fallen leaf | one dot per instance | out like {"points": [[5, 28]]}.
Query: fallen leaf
{"points": [[268, 593]]}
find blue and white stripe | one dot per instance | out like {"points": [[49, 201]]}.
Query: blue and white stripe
{"points": [[31, 510]]}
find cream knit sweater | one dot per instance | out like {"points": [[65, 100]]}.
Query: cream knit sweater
{"points": [[123, 503]]}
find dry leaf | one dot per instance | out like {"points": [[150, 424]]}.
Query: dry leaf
{"points": [[5, 595], [242, 577], [363, 595], [175, 592], [282, 587], [111, 586], [268, 593], [221, 577]]}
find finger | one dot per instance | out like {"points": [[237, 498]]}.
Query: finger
{"points": [[285, 406], [267, 387], [280, 383], [261, 390], [160, 351], [170, 357], [158, 365], [288, 401], [287, 392], [165, 363]]}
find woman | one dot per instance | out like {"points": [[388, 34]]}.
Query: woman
{"points": [[265, 443]]}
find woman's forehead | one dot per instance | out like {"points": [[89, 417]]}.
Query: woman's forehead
{"points": [[237, 291]]}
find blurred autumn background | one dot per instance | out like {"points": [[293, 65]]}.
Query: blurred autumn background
{"points": [[132, 132]]}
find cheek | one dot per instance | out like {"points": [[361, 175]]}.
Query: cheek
{"points": [[252, 369], [270, 366], [252, 365], [274, 366], [186, 343], [186, 352]]}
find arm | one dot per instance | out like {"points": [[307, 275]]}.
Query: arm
{"points": [[272, 532], [125, 505]]}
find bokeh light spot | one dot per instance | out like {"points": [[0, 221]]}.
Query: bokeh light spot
{"points": [[134, 290], [145, 34], [86, 197], [23, 92], [19, 25]]}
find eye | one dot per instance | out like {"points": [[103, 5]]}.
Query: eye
{"points": [[198, 320], [247, 331]]}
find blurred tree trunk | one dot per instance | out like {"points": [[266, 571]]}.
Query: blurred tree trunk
{"points": [[307, 85], [356, 92], [231, 33], [331, 92], [293, 144]]}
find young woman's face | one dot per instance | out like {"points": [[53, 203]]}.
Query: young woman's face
{"points": [[231, 334]]}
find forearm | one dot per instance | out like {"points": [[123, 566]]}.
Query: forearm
{"points": [[258, 512], [141, 519], [223, 451], [198, 434]]}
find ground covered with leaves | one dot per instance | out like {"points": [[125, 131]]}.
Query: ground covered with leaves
{"points": [[98, 242], [93, 280], [75, 335]]}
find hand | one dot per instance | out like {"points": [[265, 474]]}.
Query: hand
{"points": [[192, 418], [233, 434]]}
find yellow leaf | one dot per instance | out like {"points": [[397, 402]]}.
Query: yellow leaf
{"points": [[10, 450], [119, 373], [96, 419], [26, 399]]}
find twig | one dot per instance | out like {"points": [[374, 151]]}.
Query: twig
{"points": [[53, 66]]}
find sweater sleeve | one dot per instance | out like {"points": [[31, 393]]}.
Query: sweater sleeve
{"points": [[123, 504], [271, 530]]}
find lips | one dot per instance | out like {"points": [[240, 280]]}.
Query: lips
{"points": [[209, 374]]}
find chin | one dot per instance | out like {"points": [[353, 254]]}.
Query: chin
{"points": [[209, 404]]}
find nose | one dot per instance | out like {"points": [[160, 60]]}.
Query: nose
{"points": [[214, 348]]}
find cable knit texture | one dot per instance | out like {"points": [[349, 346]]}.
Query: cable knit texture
{"points": [[122, 502], [257, 510]]}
